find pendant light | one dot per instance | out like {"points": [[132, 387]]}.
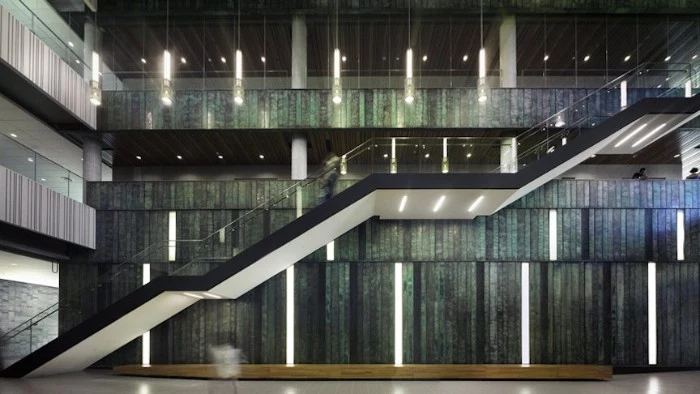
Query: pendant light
{"points": [[95, 88], [482, 86], [238, 91], [409, 87], [166, 92], [337, 90]]}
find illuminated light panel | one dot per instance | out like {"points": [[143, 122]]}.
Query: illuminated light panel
{"points": [[290, 315], [210, 295], [646, 137], [439, 204], [680, 235], [627, 58], [398, 313], [172, 235], [194, 295], [630, 135], [146, 338], [402, 205], [475, 204], [651, 291], [330, 251], [525, 313], [552, 234], [623, 94]]}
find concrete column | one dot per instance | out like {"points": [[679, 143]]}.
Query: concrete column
{"points": [[508, 60], [298, 52], [299, 156], [509, 155], [92, 160]]}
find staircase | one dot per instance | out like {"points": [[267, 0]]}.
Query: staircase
{"points": [[218, 271]]}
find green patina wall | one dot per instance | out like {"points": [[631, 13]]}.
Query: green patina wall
{"points": [[461, 288], [364, 108]]}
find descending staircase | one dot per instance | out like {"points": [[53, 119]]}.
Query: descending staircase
{"points": [[216, 272]]}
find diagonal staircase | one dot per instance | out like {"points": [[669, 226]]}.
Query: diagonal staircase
{"points": [[217, 270]]}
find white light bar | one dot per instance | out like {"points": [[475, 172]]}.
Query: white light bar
{"points": [[623, 94], [336, 63], [475, 204], [680, 235], [210, 295], [552, 234], [197, 296], [482, 63], [525, 313], [439, 204], [290, 315], [398, 313], [146, 338], [688, 89], [393, 148], [630, 135], [239, 64], [330, 251], [651, 291], [172, 235], [403, 203], [95, 66], [649, 135], [409, 63], [166, 65]]}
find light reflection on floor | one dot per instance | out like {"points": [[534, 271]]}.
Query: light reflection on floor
{"points": [[104, 383]]}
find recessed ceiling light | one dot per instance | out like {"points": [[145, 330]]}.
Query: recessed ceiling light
{"points": [[630, 135], [77, 61], [179, 157], [397, 58], [14, 264], [344, 58], [658, 86], [193, 295], [43, 179], [475, 203], [221, 156], [29, 159], [667, 78], [649, 135], [138, 157], [667, 58], [592, 156], [676, 156], [427, 155], [223, 59], [262, 59], [469, 155], [183, 60], [439, 204], [143, 60], [465, 57], [585, 59], [13, 135], [546, 57], [262, 156], [695, 57], [627, 58], [403, 203], [425, 58], [386, 155], [70, 44], [210, 295]]}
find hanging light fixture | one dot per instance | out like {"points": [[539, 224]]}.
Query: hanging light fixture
{"points": [[166, 92], [337, 85], [95, 90], [238, 91], [482, 86], [409, 87]]}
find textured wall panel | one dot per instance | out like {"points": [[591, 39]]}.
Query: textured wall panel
{"points": [[30, 205], [24, 51], [678, 303]]}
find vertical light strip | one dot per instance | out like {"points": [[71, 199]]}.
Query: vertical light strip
{"points": [[623, 94], [146, 338], [290, 315], [330, 251], [688, 89], [525, 313], [444, 147], [166, 65], [482, 63], [393, 148], [409, 63], [398, 313], [680, 234], [393, 167], [172, 235], [336, 63], [652, 312], [239, 64], [552, 234], [95, 66]]}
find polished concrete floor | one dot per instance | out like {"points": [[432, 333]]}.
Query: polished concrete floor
{"points": [[103, 383]]}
